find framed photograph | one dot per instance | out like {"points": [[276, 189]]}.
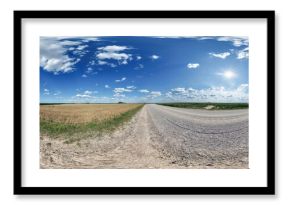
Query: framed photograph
{"points": [[144, 102]]}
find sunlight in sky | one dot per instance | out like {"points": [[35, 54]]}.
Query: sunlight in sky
{"points": [[229, 74]]}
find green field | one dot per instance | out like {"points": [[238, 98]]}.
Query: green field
{"points": [[209, 106]]}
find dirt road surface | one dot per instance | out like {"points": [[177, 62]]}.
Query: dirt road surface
{"points": [[159, 137]]}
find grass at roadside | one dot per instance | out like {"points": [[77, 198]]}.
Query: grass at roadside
{"points": [[209, 106], [73, 132]]}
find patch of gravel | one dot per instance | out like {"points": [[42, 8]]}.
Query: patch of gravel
{"points": [[158, 137]]}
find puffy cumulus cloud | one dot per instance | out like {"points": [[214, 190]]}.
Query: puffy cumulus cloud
{"points": [[53, 57], [54, 53], [220, 55], [237, 41], [107, 86], [138, 57], [192, 65], [144, 91], [113, 53], [121, 90], [86, 94], [154, 94], [122, 58], [244, 53], [113, 48], [120, 80], [213, 94], [154, 57], [84, 76]]}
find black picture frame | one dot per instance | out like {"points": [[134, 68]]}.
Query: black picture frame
{"points": [[268, 190]]}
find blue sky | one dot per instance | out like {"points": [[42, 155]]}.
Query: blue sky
{"points": [[144, 69]]}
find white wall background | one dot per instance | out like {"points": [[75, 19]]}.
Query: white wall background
{"points": [[282, 98]]}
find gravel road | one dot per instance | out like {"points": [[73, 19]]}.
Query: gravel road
{"points": [[160, 137]]}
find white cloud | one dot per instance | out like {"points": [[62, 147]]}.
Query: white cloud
{"points": [[179, 90], [69, 43], [89, 70], [204, 37], [138, 57], [88, 39], [154, 94], [81, 47], [121, 80], [144, 91], [154, 57], [119, 95], [92, 62], [84, 76], [220, 55], [213, 94], [121, 90], [87, 92], [244, 53], [192, 65], [46, 92], [54, 52], [107, 86], [83, 96], [237, 41], [113, 53], [82, 38], [122, 58], [131, 87], [113, 48], [101, 62], [54, 57]]}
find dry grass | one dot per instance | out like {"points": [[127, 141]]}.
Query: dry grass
{"points": [[74, 122], [83, 113]]}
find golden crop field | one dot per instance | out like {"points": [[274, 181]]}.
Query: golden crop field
{"points": [[83, 113]]}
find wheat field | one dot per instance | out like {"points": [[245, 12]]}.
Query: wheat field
{"points": [[82, 113]]}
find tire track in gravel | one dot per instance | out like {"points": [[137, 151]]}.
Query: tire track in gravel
{"points": [[195, 142]]}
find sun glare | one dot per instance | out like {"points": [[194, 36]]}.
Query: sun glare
{"points": [[229, 74]]}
